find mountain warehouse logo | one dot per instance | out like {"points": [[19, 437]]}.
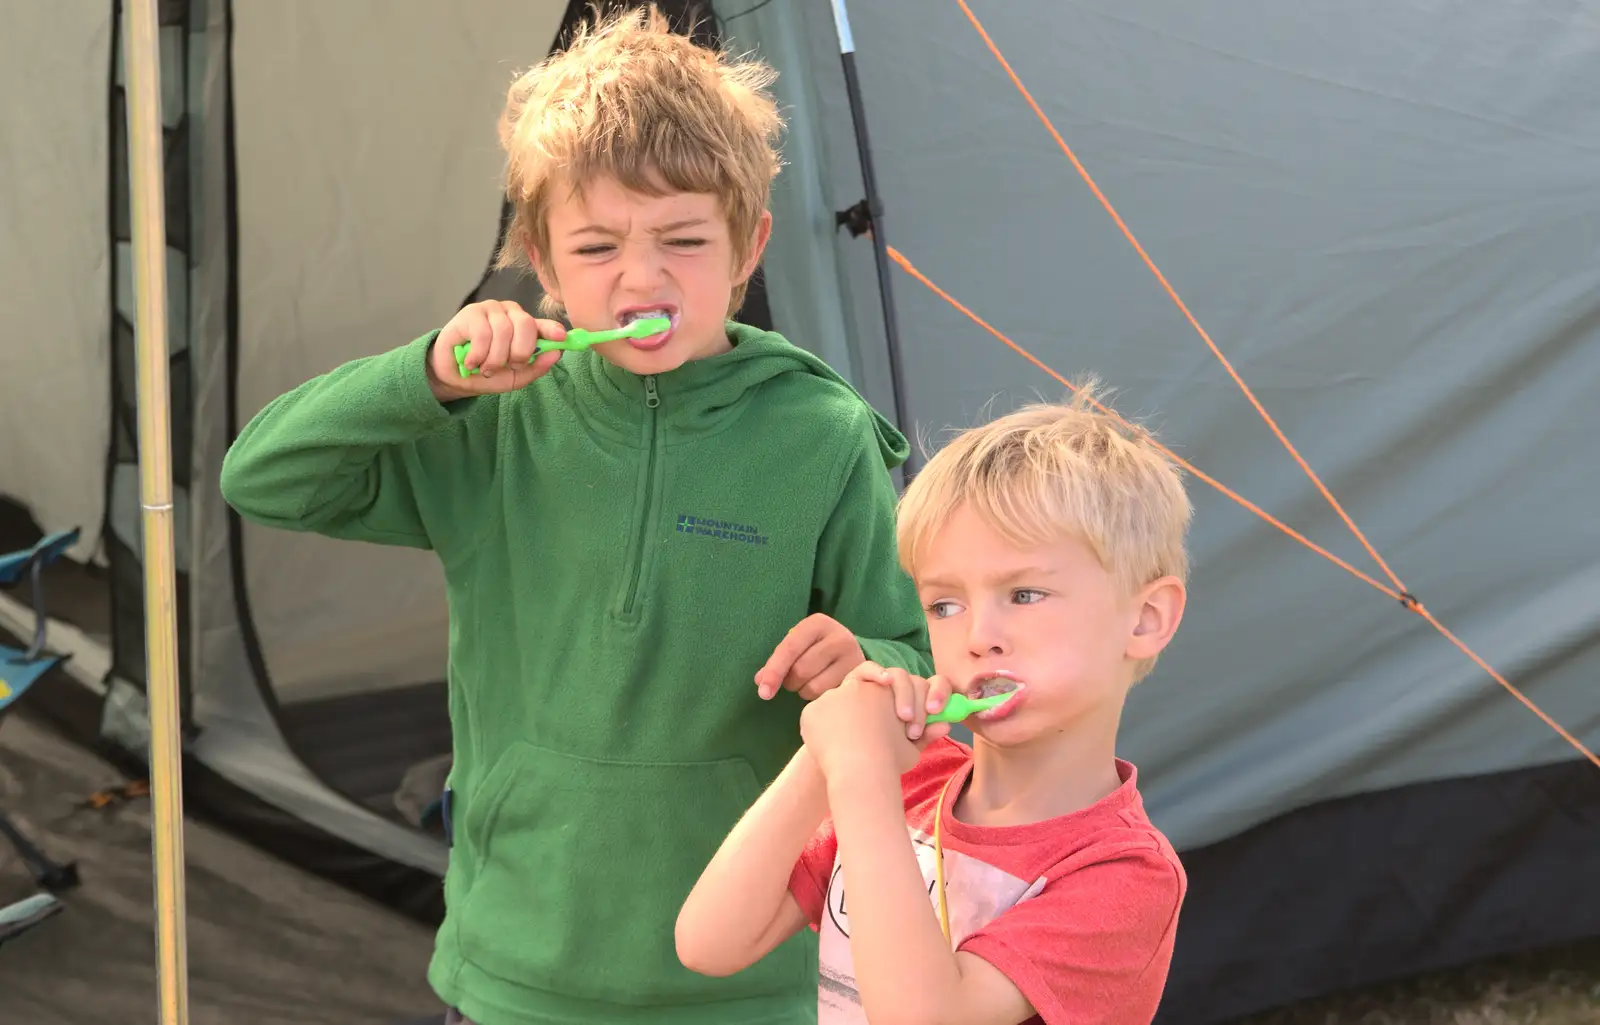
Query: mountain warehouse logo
{"points": [[722, 530]]}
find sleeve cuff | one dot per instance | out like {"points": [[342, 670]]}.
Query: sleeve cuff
{"points": [[411, 384], [893, 655], [806, 893], [1030, 982]]}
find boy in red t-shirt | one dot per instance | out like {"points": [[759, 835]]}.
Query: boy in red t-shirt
{"points": [[1018, 880]]}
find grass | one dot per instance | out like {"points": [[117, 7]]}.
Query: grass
{"points": [[1559, 986]]}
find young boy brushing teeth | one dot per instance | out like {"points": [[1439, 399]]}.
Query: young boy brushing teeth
{"points": [[655, 550], [1019, 880]]}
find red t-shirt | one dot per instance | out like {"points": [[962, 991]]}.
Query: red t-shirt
{"points": [[1078, 911]]}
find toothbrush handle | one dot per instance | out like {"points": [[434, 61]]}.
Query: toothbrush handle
{"points": [[543, 346], [955, 710]]}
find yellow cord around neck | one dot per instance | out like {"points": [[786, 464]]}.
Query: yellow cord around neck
{"points": [[938, 858]]}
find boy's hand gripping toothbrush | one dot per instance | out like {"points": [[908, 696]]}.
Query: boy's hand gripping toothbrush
{"points": [[960, 706], [577, 339]]}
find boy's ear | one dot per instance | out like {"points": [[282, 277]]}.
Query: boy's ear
{"points": [[1160, 609], [542, 271], [758, 245]]}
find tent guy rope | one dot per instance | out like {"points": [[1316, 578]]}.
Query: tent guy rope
{"points": [[1398, 591], [143, 62], [1177, 300], [1402, 597]]}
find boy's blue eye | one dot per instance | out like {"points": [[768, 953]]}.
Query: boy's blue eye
{"points": [[1027, 596], [941, 609]]}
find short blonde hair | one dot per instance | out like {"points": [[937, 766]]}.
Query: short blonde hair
{"points": [[631, 100], [1047, 472]]}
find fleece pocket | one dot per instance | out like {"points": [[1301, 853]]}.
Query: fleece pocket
{"points": [[582, 866]]}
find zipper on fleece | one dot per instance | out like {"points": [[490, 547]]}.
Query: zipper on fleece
{"points": [[647, 515]]}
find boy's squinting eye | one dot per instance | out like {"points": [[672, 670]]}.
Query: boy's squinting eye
{"points": [[941, 609], [604, 248]]}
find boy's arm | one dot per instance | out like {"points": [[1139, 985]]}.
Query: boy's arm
{"points": [[741, 907], [1096, 943], [905, 969], [339, 454], [858, 577], [864, 605]]}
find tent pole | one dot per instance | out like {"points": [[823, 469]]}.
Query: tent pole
{"points": [[142, 54], [880, 244]]}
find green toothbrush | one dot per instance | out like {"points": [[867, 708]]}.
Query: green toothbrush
{"points": [[960, 707], [578, 339]]}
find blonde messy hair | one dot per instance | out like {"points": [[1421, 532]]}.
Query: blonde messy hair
{"points": [[1050, 471], [631, 100]]}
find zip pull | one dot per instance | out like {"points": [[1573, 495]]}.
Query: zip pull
{"points": [[651, 399]]}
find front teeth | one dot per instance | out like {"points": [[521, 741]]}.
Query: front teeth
{"points": [[629, 318]]}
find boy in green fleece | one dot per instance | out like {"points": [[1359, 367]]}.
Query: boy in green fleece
{"points": [[628, 535]]}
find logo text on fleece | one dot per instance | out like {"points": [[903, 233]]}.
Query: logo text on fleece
{"points": [[721, 530]]}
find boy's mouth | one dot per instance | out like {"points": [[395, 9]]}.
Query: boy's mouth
{"points": [[992, 684], [656, 341]]}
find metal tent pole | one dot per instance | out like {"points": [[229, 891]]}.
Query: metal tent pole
{"points": [[142, 53], [874, 213]]}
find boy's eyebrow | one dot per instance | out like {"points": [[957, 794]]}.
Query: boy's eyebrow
{"points": [[1010, 577], [600, 229], [690, 222]]}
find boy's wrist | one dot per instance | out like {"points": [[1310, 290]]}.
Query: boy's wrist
{"points": [[845, 770]]}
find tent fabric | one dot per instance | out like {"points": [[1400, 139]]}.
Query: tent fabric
{"points": [[53, 261], [804, 252], [1395, 250], [808, 252], [1383, 885]]}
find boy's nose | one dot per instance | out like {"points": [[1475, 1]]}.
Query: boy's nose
{"points": [[642, 270], [986, 637]]}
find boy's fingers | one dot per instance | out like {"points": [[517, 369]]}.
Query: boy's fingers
{"points": [[500, 343], [543, 362], [833, 676], [551, 329], [474, 328], [967, 688], [813, 663], [869, 671], [919, 707], [905, 694], [939, 691], [524, 335], [932, 733], [794, 644]]}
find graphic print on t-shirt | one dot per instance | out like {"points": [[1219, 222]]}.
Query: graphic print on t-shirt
{"points": [[976, 893]]}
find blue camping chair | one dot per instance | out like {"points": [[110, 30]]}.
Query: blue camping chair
{"points": [[19, 671]]}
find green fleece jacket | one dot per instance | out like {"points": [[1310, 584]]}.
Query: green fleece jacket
{"points": [[621, 553]]}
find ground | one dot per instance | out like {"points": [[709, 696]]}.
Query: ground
{"points": [[267, 943], [1553, 987]]}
